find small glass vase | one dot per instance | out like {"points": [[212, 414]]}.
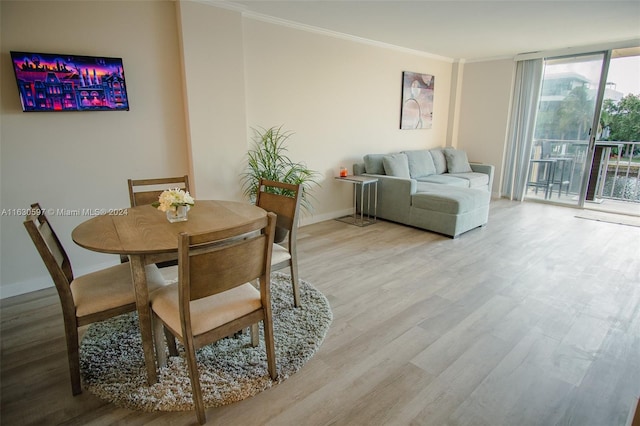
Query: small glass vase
{"points": [[179, 214]]}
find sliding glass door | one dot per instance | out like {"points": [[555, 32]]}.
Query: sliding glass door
{"points": [[585, 148], [563, 142]]}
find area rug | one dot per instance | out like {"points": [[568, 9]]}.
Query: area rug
{"points": [[621, 219], [112, 364]]}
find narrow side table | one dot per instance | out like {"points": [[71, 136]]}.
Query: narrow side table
{"points": [[363, 182]]}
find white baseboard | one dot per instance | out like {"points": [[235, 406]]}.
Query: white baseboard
{"points": [[40, 283], [304, 221], [23, 287]]}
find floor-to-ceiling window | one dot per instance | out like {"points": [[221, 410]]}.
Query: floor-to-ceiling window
{"points": [[585, 150]]}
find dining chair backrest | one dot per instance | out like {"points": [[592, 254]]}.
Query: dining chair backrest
{"points": [[281, 198], [147, 191], [51, 251], [214, 262]]}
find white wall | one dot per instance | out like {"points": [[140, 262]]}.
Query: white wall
{"points": [[213, 62], [76, 160], [484, 112], [340, 97]]}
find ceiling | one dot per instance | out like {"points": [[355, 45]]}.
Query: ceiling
{"points": [[464, 30]]}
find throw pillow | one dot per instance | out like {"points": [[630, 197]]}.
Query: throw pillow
{"points": [[439, 160], [373, 164], [420, 163], [396, 165], [457, 161]]}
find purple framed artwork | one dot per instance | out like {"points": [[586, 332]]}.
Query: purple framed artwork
{"points": [[417, 101], [60, 82]]}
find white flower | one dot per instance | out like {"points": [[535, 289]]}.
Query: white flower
{"points": [[172, 198]]}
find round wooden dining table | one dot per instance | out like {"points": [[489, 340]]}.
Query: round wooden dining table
{"points": [[146, 236]]}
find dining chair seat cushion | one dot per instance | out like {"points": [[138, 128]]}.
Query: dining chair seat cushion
{"points": [[279, 254], [227, 306], [109, 288]]}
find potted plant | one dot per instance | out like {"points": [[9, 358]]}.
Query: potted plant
{"points": [[268, 159]]}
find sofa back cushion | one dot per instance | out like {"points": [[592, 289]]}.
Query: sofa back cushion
{"points": [[396, 165], [457, 161], [438, 160], [420, 163], [373, 164]]}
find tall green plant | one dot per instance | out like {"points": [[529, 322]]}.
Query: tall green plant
{"points": [[268, 159]]}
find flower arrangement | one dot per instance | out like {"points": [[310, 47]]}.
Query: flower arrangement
{"points": [[171, 199]]}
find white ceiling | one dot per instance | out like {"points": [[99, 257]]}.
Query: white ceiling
{"points": [[466, 30]]}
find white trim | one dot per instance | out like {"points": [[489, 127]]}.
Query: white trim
{"points": [[223, 4], [42, 282], [578, 50], [310, 220], [317, 30], [343, 36], [23, 287]]}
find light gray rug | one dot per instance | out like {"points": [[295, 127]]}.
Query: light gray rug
{"points": [[112, 364]]}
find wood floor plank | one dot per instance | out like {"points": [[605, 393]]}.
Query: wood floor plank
{"points": [[531, 320]]}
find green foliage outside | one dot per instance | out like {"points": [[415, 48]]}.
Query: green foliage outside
{"points": [[622, 121]]}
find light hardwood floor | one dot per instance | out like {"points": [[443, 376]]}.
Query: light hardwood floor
{"points": [[532, 320]]}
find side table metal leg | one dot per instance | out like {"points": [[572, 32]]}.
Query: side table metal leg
{"points": [[368, 203], [375, 202], [361, 204], [355, 208]]}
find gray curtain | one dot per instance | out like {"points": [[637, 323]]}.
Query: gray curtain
{"points": [[521, 127]]}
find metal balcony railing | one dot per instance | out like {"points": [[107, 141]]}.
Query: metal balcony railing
{"points": [[619, 175]]}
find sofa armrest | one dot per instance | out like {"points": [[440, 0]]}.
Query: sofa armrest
{"points": [[394, 196], [486, 169]]}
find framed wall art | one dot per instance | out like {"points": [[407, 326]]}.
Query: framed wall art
{"points": [[417, 101], [61, 82]]}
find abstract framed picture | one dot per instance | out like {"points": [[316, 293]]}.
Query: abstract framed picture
{"points": [[61, 82], [417, 101]]}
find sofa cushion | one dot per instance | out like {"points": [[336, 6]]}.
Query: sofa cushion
{"points": [[420, 163], [450, 199], [396, 165], [476, 180], [446, 179], [438, 160], [373, 164], [457, 161]]}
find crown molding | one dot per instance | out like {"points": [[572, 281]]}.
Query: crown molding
{"points": [[317, 30]]}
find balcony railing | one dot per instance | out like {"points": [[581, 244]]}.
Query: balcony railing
{"points": [[618, 177]]}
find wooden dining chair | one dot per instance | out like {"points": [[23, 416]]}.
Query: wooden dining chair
{"points": [[283, 199], [147, 191], [86, 299], [214, 297]]}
